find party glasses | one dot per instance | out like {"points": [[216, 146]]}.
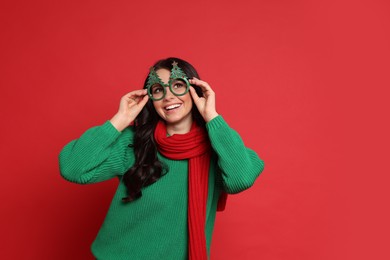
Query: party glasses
{"points": [[178, 83], [178, 87]]}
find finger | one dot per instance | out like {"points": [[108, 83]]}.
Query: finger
{"points": [[143, 101], [199, 82], [194, 94], [203, 84], [136, 93], [133, 99]]}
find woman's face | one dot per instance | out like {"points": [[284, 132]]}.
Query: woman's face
{"points": [[173, 109]]}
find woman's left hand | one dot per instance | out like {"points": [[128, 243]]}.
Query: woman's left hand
{"points": [[205, 104]]}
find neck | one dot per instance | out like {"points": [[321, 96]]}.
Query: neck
{"points": [[182, 127]]}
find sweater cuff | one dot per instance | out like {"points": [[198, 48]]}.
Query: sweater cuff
{"points": [[215, 123]]}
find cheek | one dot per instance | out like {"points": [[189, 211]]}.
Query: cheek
{"points": [[188, 100], [157, 106], [191, 104]]}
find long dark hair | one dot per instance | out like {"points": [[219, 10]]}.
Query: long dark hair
{"points": [[147, 169]]}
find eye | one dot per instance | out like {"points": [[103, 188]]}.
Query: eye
{"points": [[178, 85], [157, 89]]}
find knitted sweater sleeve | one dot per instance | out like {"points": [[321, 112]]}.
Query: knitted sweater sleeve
{"points": [[101, 153], [239, 165]]}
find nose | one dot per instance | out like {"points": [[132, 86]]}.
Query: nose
{"points": [[168, 94]]}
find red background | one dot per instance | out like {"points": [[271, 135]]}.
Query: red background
{"points": [[303, 82]]}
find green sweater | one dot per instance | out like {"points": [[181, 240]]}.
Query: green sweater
{"points": [[155, 226]]}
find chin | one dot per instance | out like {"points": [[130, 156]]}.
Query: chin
{"points": [[175, 119]]}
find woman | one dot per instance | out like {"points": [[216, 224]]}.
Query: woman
{"points": [[176, 159]]}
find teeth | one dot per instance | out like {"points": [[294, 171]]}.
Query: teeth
{"points": [[172, 106]]}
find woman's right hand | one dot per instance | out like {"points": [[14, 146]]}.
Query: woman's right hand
{"points": [[130, 106]]}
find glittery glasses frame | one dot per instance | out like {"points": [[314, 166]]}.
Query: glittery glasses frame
{"points": [[176, 74]]}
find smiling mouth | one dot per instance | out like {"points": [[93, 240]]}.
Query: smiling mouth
{"points": [[171, 107]]}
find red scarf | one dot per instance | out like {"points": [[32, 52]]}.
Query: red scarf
{"points": [[194, 146]]}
